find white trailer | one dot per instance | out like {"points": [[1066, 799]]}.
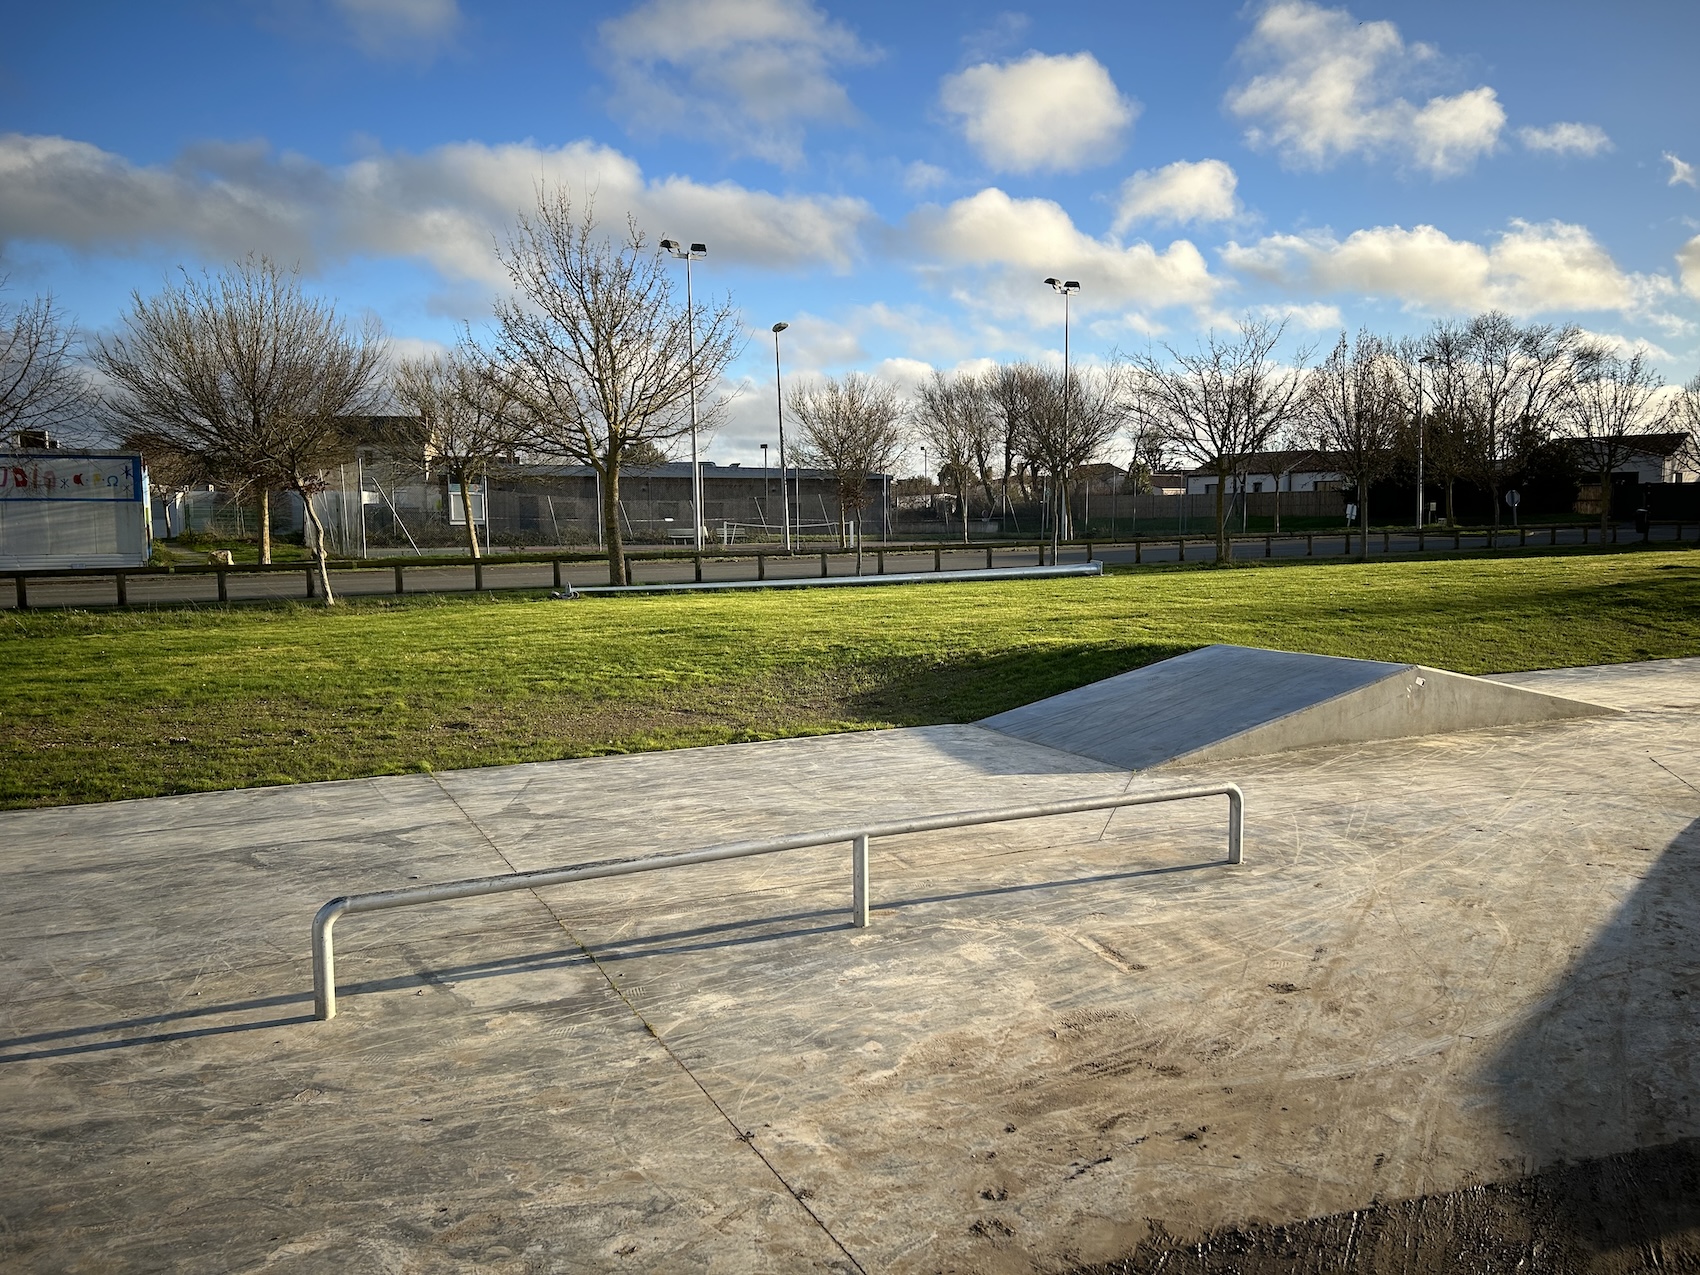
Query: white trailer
{"points": [[73, 509]]}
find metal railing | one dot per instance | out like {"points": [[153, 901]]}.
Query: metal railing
{"points": [[324, 958]]}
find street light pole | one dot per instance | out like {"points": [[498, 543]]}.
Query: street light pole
{"points": [[779, 400], [1422, 362], [694, 252], [1068, 288]]}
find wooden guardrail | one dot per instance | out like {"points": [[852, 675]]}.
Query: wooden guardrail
{"points": [[1428, 539]]}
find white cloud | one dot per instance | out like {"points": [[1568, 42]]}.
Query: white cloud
{"points": [[997, 251], [1624, 346], [445, 206], [1040, 112], [1688, 262], [1178, 192], [1681, 173], [921, 176], [400, 28], [1329, 88], [1530, 269], [1566, 139], [1314, 317], [750, 74]]}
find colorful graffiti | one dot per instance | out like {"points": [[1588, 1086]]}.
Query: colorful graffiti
{"points": [[70, 477]]}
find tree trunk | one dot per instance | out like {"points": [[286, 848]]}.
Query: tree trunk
{"points": [[962, 494], [264, 511], [466, 509], [1363, 518], [611, 524], [1221, 516], [1605, 503], [318, 544], [1451, 521], [1277, 504]]}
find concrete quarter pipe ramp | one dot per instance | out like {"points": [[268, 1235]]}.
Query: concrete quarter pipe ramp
{"points": [[1223, 702]]}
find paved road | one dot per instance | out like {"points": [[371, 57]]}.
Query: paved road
{"points": [[379, 578]]}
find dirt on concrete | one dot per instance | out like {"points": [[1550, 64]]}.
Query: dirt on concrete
{"points": [[1623, 1214]]}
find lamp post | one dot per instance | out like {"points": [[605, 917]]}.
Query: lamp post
{"points": [[1422, 362], [779, 400], [764, 499], [1067, 288], [695, 251]]}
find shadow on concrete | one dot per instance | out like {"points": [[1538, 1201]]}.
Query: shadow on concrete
{"points": [[1634, 1212], [1606, 1062], [1596, 1089]]}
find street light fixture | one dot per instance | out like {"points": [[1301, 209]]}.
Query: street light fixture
{"points": [[694, 252], [1067, 288], [779, 401], [1422, 362]]}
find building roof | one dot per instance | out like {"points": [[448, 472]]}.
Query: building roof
{"points": [[1302, 460]]}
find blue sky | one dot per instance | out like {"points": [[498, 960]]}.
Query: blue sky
{"points": [[894, 180]]}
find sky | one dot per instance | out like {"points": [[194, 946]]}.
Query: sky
{"points": [[893, 180]]}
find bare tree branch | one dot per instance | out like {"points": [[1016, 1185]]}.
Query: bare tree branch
{"points": [[596, 348], [460, 408], [853, 428], [241, 376], [1220, 404], [1355, 410], [1609, 406], [41, 387]]}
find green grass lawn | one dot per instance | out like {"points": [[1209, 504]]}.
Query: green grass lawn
{"points": [[97, 706]]}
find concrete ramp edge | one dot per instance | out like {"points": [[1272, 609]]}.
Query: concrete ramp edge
{"points": [[1224, 702]]}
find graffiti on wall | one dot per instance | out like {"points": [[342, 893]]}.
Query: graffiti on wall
{"points": [[70, 477]]}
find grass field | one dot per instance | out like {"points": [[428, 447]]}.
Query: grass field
{"points": [[98, 706]]}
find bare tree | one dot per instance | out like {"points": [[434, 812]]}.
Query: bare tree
{"points": [[1609, 406], [954, 418], [1513, 379], [460, 409], [853, 429], [1014, 390], [597, 349], [1355, 410], [41, 388], [1688, 414], [1220, 404], [242, 374], [1067, 424]]}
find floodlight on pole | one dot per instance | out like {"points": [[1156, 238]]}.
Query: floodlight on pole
{"points": [[1422, 362], [779, 398], [1067, 288], [695, 251]]}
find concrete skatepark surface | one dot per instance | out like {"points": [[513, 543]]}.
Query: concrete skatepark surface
{"points": [[1447, 961]]}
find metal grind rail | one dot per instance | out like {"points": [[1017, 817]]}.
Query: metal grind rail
{"points": [[324, 957]]}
